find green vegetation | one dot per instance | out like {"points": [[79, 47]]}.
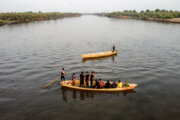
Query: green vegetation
{"points": [[7, 18], [147, 14], [159, 15], [2, 22]]}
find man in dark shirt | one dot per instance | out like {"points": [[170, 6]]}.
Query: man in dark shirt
{"points": [[87, 79], [113, 48], [97, 85], [92, 79], [114, 85], [63, 73], [81, 78], [107, 85]]}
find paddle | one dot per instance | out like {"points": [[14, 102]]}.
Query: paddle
{"points": [[51, 82]]}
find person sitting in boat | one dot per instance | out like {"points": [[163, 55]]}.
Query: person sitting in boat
{"points": [[125, 84], [73, 79], [113, 48], [81, 78], [120, 84], [92, 77], [101, 83], [114, 85], [97, 85], [87, 78], [107, 85]]}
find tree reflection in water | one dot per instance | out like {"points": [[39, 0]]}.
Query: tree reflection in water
{"points": [[82, 95]]}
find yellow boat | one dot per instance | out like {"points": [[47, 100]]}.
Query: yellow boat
{"points": [[68, 84], [124, 92], [100, 54], [99, 58]]}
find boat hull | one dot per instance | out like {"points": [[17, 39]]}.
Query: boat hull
{"points": [[69, 85], [98, 55]]}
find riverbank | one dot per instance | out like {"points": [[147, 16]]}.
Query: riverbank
{"points": [[10, 18], [156, 15], [172, 20]]}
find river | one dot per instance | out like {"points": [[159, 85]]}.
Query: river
{"points": [[33, 53]]}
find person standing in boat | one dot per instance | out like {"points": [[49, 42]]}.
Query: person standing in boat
{"points": [[113, 48], [63, 73], [92, 78], [81, 78], [87, 78]]}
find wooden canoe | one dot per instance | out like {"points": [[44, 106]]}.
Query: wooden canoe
{"points": [[68, 84], [100, 54]]}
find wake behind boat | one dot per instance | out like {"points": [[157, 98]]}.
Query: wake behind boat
{"points": [[100, 54]]}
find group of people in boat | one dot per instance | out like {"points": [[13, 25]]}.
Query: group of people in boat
{"points": [[88, 80], [100, 84]]}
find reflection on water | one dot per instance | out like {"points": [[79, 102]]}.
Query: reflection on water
{"points": [[99, 58], [82, 95], [32, 54]]}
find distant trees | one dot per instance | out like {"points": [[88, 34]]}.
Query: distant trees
{"points": [[157, 10], [32, 16], [147, 10], [157, 13]]}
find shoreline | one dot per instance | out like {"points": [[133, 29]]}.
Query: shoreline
{"points": [[15, 18], [165, 16], [173, 20], [16, 22]]}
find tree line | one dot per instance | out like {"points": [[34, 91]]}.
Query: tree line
{"points": [[163, 14], [32, 16]]}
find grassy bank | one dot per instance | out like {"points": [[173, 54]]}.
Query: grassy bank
{"points": [[156, 15], [2, 22], [9, 18]]}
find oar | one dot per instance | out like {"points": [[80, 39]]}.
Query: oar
{"points": [[51, 82]]}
